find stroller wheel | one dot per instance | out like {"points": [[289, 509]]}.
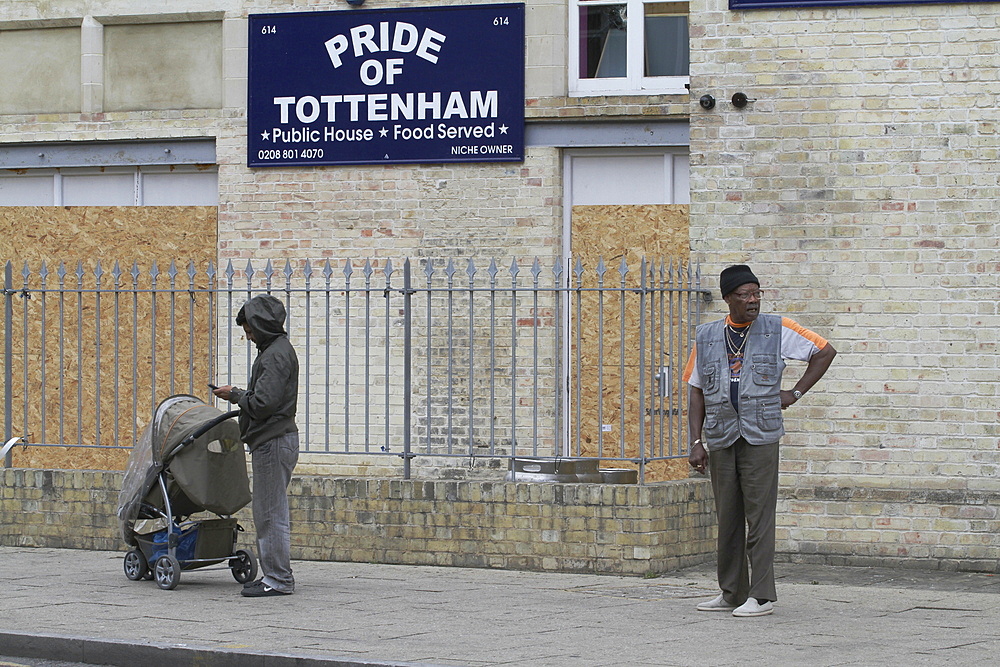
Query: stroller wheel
{"points": [[244, 566], [136, 567], [167, 572]]}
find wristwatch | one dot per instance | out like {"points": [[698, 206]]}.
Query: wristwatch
{"points": [[797, 394]]}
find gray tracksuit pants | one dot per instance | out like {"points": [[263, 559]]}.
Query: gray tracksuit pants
{"points": [[272, 465]]}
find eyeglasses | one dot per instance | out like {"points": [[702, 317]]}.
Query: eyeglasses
{"points": [[748, 296]]}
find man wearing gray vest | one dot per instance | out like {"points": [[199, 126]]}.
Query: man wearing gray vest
{"points": [[735, 422]]}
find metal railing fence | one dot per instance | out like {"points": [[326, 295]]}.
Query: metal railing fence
{"points": [[436, 358]]}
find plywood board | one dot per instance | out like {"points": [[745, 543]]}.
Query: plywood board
{"points": [[66, 373], [608, 333]]}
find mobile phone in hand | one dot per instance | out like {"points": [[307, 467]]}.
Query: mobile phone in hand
{"points": [[212, 386]]}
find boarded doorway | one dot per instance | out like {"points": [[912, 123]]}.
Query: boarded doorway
{"points": [[627, 206]]}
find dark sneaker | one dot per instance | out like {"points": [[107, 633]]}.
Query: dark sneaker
{"points": [[251, 584], [261, 590]]}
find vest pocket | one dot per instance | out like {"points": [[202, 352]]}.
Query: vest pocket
{"points": [[712, 426], [710, 379], [764, 370], [769, 414]]}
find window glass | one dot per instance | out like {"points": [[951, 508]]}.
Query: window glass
{"points": [[603, 48], [667, 45]]}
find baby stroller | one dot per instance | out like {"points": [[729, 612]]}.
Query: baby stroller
{"points": [[188, 460]]}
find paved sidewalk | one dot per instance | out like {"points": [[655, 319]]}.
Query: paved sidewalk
{"points": [[78, 605]]}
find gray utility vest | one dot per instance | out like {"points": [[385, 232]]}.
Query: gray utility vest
{"points": [[759, 418]]}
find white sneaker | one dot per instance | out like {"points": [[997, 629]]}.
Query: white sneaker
{"points": [[753, 608], [716, 604]]}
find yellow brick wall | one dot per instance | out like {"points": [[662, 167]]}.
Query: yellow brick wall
{"points": [[616, 529], [861, 183], [552, 527]]}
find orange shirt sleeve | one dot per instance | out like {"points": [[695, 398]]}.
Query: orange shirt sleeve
{"points": [[691, 369]]}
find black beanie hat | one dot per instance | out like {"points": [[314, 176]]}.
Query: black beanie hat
{"points": [[734, 276]]}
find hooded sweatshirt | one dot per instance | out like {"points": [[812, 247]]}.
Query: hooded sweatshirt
{"points": [[268, 404]]}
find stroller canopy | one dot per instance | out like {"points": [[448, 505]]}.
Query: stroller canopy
{"points": [[200, 450]]}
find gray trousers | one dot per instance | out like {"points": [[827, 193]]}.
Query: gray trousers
{"points": [[272, 464], [745, 484]]}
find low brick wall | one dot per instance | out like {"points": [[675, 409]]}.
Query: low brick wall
{"points": [[622, 529], [64, 509], [940, 529]]}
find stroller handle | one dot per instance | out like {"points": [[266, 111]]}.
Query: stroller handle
{"points": [[202, 430]]}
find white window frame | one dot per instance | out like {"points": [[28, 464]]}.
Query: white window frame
{"points": [[137, 174], [635, 82]]}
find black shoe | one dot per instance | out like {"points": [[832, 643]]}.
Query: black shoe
{"points": [[261, 590], [251, 584]]}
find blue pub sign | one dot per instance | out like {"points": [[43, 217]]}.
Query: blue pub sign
{"points": [[386, 86]]}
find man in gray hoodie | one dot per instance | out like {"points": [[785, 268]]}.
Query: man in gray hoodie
{"points": [[267, 426]]}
